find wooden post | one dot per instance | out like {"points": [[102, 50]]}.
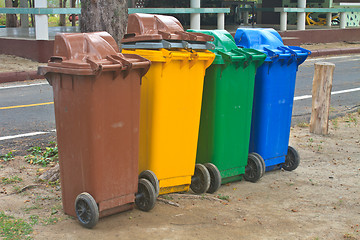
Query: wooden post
{"points": [[321, 92]]}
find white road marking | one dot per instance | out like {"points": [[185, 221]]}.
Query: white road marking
{"points": [[25, 135], [20, 86], [332, 93]]}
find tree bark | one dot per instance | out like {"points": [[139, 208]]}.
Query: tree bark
{"points": [[24, 18], [11, 19], [73, 5], [62, 4], [104, 15]]}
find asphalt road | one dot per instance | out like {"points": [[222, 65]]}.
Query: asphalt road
{"points": [[26, 107]]}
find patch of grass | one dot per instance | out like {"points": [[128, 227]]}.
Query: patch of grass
{"points": [[17, 189], [303, 125], [335, 123], [7, 157], [50, 221], [55, 209], [167, 197], [43, 157], [12, 228], [351, 119], [223, 197], [12, 179], [34, 219], [55, 183], [35, 206]]}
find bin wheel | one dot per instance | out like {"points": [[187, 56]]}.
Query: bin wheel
{"points": [[150, 175], [262, 162], [146, 197], [200, 182], [254, 169], [86, 210], [292, 159], [215, 177]]}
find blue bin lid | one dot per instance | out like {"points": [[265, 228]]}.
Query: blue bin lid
{"points": [[269, 41]]}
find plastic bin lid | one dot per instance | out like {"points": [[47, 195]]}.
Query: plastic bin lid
{"points": [[150, 27], [269, 41], [258, 38], [90, 54], [226, 49]]}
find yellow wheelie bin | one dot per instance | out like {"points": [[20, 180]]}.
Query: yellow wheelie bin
{"points": [[170, 106]]}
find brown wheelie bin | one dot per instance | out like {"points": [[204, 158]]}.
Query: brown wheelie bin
{"points": [[97, 104]]}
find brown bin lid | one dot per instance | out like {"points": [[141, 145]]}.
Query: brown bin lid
{"points": [[90, 54], [149, 27]]}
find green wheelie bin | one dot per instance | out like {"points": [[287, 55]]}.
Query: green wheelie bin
{"points": [[226, 111]]}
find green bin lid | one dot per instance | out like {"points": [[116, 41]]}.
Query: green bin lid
{"points": [[227, 51]]}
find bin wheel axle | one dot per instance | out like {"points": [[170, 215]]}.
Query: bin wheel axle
{"points": [[150, 175], [292, 159], [254, 170], [86, 210], [200, 182], [215, 177], [145, 198]]}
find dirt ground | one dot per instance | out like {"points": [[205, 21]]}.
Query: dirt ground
{"points": [[318, 200], [9, 63], [335, 45]]}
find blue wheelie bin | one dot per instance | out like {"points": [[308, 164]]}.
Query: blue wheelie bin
{"points": [[273, 96]]}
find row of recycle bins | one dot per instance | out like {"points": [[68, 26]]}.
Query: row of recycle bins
{"points": [[193, 109]]}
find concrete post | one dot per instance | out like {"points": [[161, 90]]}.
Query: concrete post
{"points": [[343, 20], [24, 18], [221, 21], [41, 22], [195, 17], [301, 15], [283, 21], [246, 18], [328, 19]]}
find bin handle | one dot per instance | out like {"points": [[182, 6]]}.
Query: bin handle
{"points": [[164, 34], [195, 36], [229, 58], [245, 57], [143, 63], [272, 54], [96, 68], [57, 59], [186, 35], [300, 55]]}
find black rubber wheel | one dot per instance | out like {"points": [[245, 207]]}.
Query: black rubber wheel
{"points": [[292, 159], [262, 162], [150, 175], [200, 182], [86, 210], [146, 197], [215, 177], [254, 169]]}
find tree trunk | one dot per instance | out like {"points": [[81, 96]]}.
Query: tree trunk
{"points": [[11, 19], [104, 15], [62, 4], [24, 18], [73, 5]]}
